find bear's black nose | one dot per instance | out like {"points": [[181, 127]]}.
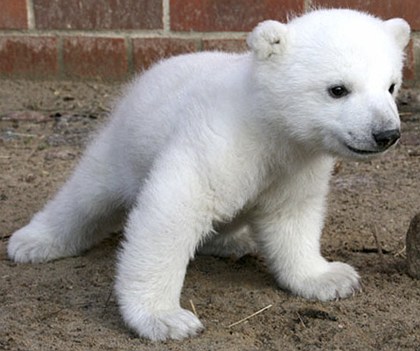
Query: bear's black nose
{"points": [[387, 138]]}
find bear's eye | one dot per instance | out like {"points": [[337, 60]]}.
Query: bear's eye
{"points": [[338, 91], [391, 88]]}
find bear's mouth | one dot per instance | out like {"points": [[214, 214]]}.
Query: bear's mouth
{"points": [[363, 152]]}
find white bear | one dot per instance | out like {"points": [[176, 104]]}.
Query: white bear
{"points": [[230, 153]]}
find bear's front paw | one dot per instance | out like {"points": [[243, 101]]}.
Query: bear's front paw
{"points": [[176, 324], [340, 280], [32, 245]]}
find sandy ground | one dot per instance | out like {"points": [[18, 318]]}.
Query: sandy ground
{"points": [[69, 305]]}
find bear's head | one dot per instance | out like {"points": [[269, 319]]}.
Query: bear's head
{"points": [[329, 80]]}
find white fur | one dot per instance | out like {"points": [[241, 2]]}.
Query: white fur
{"points": [[204, 140]]}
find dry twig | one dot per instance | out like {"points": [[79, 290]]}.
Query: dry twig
{"points": [[193, 308], [401, 253], [301, 320], [378, 243], [250, 316]]}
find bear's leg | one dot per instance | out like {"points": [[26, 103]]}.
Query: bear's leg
{"points": [[82, 213], [289, 236], [172, 215]]}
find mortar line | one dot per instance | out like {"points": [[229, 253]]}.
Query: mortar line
{"points": [[308, 5], [30, 13], [166, 16], [123, 34], [60, 56], [130, 55]]}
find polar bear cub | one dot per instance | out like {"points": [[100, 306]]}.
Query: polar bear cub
{"points": [[230, 153]]}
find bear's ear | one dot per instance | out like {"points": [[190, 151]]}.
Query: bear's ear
{"points": [[400, 29], [267, 39]]}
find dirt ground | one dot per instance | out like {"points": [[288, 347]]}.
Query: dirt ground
{"points": [[68, 304]]}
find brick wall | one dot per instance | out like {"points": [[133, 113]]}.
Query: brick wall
{"points": [[111, 39]]}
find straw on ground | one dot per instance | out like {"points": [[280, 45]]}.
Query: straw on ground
{"points": [[250, 316]]}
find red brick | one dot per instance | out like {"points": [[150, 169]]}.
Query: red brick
{"points": [[95, 58], [93, 14], [407, 9], [228, 15], [228, 45], [29, 57], [13, 14], [147, 51]]}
